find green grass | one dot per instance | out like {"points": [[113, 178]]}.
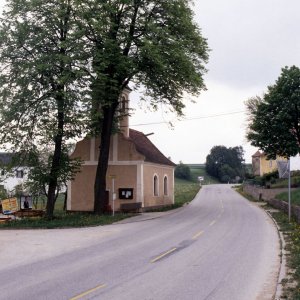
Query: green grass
{"points": [[65, 220], [291, 231], [239, 189], [59, 204], [199, 170], [295, 197], [185, 191], [283, 183]]}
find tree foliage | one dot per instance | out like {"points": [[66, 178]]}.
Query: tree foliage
{"points": [[41, 83], [55, 54], [183, 171], [39, 174], [153, 44], [274, 119], [226, 164]]}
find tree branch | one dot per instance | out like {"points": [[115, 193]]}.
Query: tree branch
{"points": [[131, 29]]}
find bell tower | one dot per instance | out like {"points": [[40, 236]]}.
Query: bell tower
{"points": [[124, 111]]}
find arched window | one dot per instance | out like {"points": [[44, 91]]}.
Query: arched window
{"points": [[123, 105], [155, 185], [165, 186]]}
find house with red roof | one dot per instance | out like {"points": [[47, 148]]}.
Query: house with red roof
{"points": [[262, 165], [137, 173]]}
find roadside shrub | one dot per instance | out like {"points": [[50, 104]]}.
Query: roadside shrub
{"points": [[258, 181], [225, 178], [270, 176], [183, 171], [267, 179], [295, 181], [249, 176]]}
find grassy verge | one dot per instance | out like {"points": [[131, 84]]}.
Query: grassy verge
{"points": [[185, 191], [283, 183], [65, 220], [295, 197], [291, 232], [239, 189]]}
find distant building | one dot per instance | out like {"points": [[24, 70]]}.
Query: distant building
{"points": [[262, 165], [16, 177], [138, 172]]}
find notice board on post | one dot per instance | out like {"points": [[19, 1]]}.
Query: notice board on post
{"points": [[9, 206], [125, 193]]}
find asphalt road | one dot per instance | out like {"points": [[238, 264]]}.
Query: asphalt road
{"points": [[219, 247]]}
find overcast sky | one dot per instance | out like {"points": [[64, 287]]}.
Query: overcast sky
{"points": [[250, 42]]}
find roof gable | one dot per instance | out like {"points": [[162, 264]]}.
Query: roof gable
{"points": [[257, 154], [145, 147]]}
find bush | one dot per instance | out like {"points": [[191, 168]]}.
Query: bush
{"points": [[270, 176], [249, 176], [225, 178], [295, 181], [183, 171]]}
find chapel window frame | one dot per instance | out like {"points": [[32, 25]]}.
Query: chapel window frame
{"points": [[166, 186], [155, 185]]}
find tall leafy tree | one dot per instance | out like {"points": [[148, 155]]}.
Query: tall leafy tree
{"points": [[41, 83], [274, 119], [45, 56], [152, 43], [226, 163]]}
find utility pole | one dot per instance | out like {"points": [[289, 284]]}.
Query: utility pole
{"points": [[289, 192]]}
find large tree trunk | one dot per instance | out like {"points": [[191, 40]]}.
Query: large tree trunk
{"points": [[55, 166], [100, 179], [60, 102]]}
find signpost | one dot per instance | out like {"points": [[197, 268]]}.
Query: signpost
{"points": [[284, 170], [289, 163], [113, 177], [201, 178]]}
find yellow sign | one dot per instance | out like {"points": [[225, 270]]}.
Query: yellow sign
{"points": [[9, 205]]}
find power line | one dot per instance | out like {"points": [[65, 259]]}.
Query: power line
{"points": [[195, 118]]}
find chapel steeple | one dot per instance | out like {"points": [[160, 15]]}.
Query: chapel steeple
{"points": [[124, 111]]}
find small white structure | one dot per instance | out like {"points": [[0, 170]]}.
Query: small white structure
{"points": [[18, 176]]}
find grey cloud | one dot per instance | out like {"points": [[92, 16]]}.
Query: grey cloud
{"points": [[250, 40]]}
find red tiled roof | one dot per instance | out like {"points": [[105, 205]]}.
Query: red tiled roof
{"points": [[257, 154], [145, 147]]}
